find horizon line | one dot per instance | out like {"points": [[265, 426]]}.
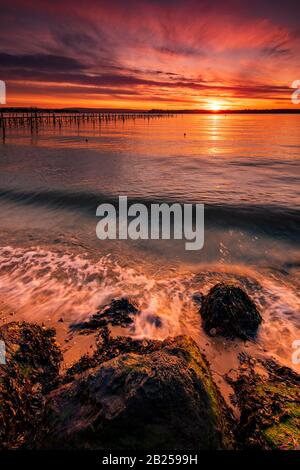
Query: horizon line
{"points": [[149, 111]]}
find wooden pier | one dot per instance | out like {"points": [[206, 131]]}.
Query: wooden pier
{"points": [[34, 120]]}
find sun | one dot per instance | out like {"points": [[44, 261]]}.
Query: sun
{"points": [[215, 106]]}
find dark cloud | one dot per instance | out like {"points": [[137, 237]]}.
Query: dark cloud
{"points": [[39, 62], [181, 50], [276, 50], [113, 83]]}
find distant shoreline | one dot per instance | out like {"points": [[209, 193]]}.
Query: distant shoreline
{"points": [[151, 111]]}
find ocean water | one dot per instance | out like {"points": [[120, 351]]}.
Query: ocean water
{"points": [[244, 168]]}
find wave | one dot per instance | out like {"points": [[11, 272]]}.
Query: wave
{"points": [[276, 221], [45, 284]]}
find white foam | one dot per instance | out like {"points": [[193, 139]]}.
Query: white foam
{"points": [[45, 285]]}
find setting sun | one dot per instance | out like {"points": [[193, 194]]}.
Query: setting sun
{"points": [[215, 106]]}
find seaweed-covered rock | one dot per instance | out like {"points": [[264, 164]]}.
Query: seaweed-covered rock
{"points": [[158, 396], [227, 310], [32, 366], [108, 347], [269, 401], [117, 313]]}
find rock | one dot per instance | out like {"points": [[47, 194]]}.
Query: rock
{"points": [[32, 366], [108, 348], [269, 402], [197, 297], [154, 320], [227, 310], [152, 395], [118, 313]]}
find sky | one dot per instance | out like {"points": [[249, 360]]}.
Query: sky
{"points": [[150, 54]]}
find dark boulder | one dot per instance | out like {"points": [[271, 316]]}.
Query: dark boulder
{"points": [[268, 396], [227, 310], [155, 320], [31, 368], [158, 396], [117, 313], [197, 297], [108, 347]]}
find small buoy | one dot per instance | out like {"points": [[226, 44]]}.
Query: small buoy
{"points": [[184, 134], [86, 140]]}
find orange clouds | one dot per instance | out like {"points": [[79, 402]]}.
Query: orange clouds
{"points": [[145, 54]]}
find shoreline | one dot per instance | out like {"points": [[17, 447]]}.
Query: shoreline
{"points": [[221, 353], [140, 361]]}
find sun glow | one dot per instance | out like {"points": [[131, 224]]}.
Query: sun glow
{"points": [[215, 106]]}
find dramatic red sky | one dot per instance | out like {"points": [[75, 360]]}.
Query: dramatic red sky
{"points": [[182, 54]]}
